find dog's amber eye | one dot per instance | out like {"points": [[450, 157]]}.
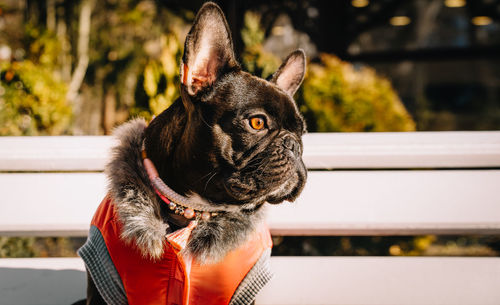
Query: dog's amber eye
{"points": [[257, 123]]}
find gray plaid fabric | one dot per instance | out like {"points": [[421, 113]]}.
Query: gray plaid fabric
{"points": [[254, 281], [101, 268]]}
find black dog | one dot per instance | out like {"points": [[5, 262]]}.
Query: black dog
{"points": [[186, 192]]}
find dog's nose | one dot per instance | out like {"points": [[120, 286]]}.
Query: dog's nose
{"points": [[293, 145]]}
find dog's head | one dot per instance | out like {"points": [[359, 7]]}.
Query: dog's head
{"points": [[233, 138]]}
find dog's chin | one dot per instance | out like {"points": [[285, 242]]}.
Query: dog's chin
{"points": [[291, 188], [288, 190], [254, 198], [273, 199]]}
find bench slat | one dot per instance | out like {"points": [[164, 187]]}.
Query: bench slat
{"points": [[337, 280], [333, 203], [393, 203], [402, 150], [62, 153], [322, 150], [383, 280]]}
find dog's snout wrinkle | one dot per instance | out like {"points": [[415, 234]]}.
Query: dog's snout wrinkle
{"points": [[293, 145]]}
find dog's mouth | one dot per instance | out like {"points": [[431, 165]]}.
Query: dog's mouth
{"points": [[286, 185], [290, 189]]}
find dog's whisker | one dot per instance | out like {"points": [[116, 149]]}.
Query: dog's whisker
{"points": [[204, 176], [206, 184], [205, 122]]}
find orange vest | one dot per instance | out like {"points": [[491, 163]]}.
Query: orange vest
{"points": [[175, 279]]}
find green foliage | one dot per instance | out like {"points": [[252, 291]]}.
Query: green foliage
{"points": [[338, 97], [56, 246], [255, 59], [32, 95], [138, 52], [429, 245], [16, 247], [161, 80], [43, 46], [120, 49], [39, 246], [32, 101]]}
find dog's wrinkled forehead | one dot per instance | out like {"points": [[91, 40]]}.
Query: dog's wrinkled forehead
{"points": [[241, 94]]}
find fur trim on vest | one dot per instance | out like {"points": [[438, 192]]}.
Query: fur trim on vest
{"points": [[140, 212]]}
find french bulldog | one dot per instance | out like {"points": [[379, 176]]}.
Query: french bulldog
{"points": [[228, 145]]}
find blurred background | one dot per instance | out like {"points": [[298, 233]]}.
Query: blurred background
{"points": [[83, 67]]}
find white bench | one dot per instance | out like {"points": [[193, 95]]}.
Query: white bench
{"points": [[359, 184]]}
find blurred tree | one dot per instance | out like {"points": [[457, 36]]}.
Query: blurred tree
{"points": [[56, 246], [32, 99], [254, 58], [160, 80], [429, 245], [103, 51], [39, 246], [136, 44], [338, 97], [16, 247], [82, 50]]}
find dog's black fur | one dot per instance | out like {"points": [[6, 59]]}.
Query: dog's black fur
{"points": [[204, 146]]}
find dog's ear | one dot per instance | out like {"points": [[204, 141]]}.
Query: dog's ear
{"points": [[291, 73], [208, 49]]}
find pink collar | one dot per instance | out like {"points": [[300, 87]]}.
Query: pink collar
{"points": [[181, 205]]}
